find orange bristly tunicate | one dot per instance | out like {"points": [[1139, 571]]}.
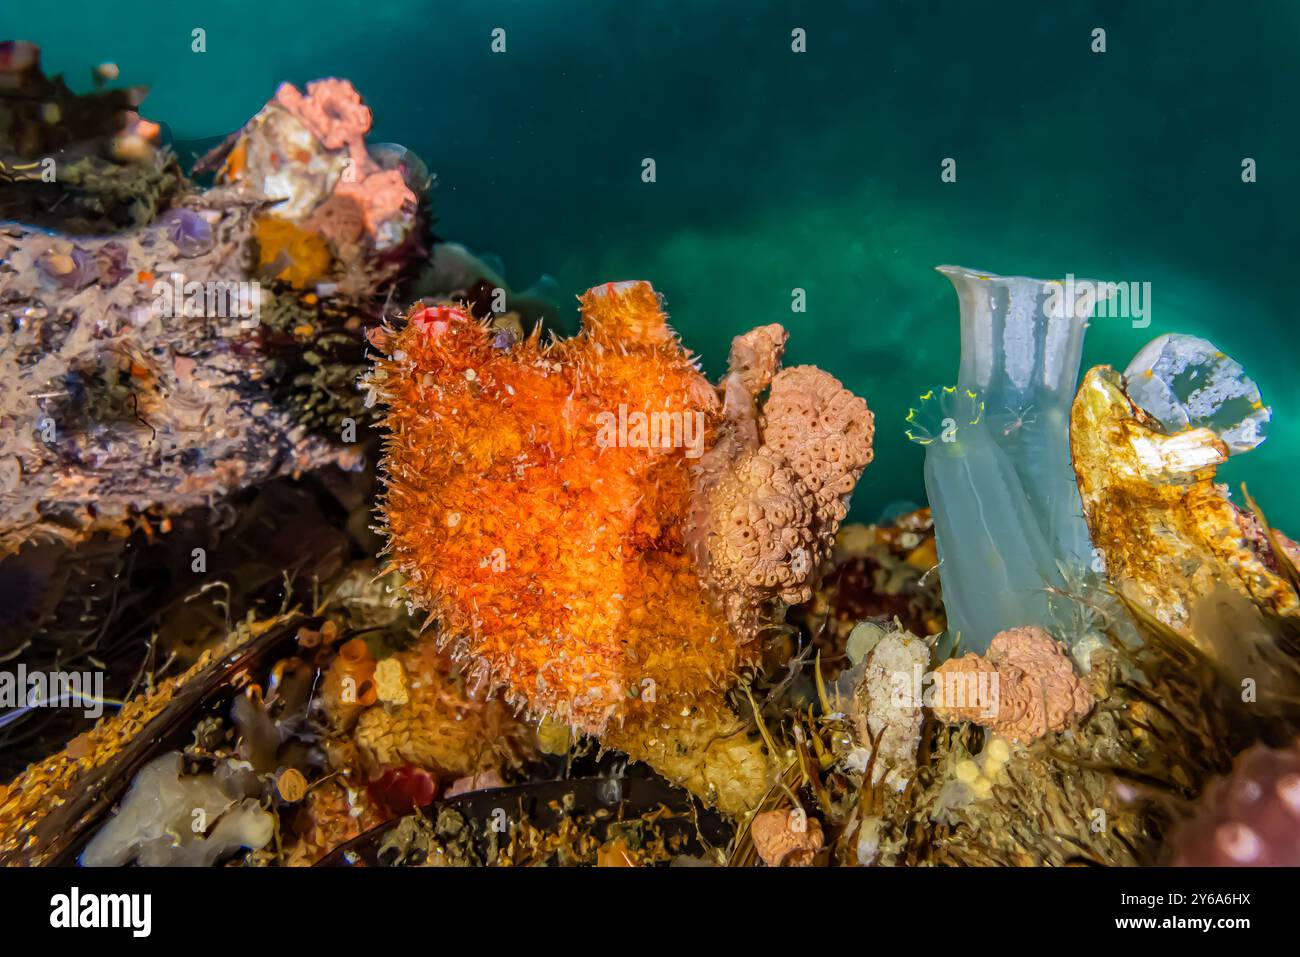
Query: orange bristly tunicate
{"points": [[537, 497]]}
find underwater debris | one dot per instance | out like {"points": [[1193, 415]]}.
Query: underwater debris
{"points": [[1250, 818], [532, 508], [1169, 535], [578, 822], [1023, 687]]}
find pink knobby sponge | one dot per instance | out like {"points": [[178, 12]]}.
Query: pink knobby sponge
{"points": [[786, 838], [1029, 689], [825, 432], [379, 196], [332, 110], [775, 487]]}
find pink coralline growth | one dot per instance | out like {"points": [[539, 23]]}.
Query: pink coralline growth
{"points": [[380, 197], [786, 838], [774, 488], [761, 536], [359, 209], [1251, 818], [333, 111], [1023, 688]]}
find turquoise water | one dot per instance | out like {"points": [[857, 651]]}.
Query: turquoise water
{"points": [[819, 170]]}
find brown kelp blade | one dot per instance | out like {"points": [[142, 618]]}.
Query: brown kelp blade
{"points": [[58, 836]]}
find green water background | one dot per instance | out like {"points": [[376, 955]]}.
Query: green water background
{"points": [[819, 170]]}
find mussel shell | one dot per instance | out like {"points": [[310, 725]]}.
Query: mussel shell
{"points": [[59, 837]]}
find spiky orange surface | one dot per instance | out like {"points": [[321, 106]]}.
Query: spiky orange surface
{"points": [[556, 565]]}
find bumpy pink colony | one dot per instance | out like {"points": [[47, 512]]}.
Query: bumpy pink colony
{"points": [[1052, 695], [379, 195], [786, 837], [756, 356], [1036, 688], [825, 432], [332, 110], [764, 538], [775, 487], [335, 115]]}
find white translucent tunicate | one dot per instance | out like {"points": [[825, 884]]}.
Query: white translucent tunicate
{"points": [[1186, 383], [169, 819], [996, 564], [1021, 343], [1008, 519]]}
